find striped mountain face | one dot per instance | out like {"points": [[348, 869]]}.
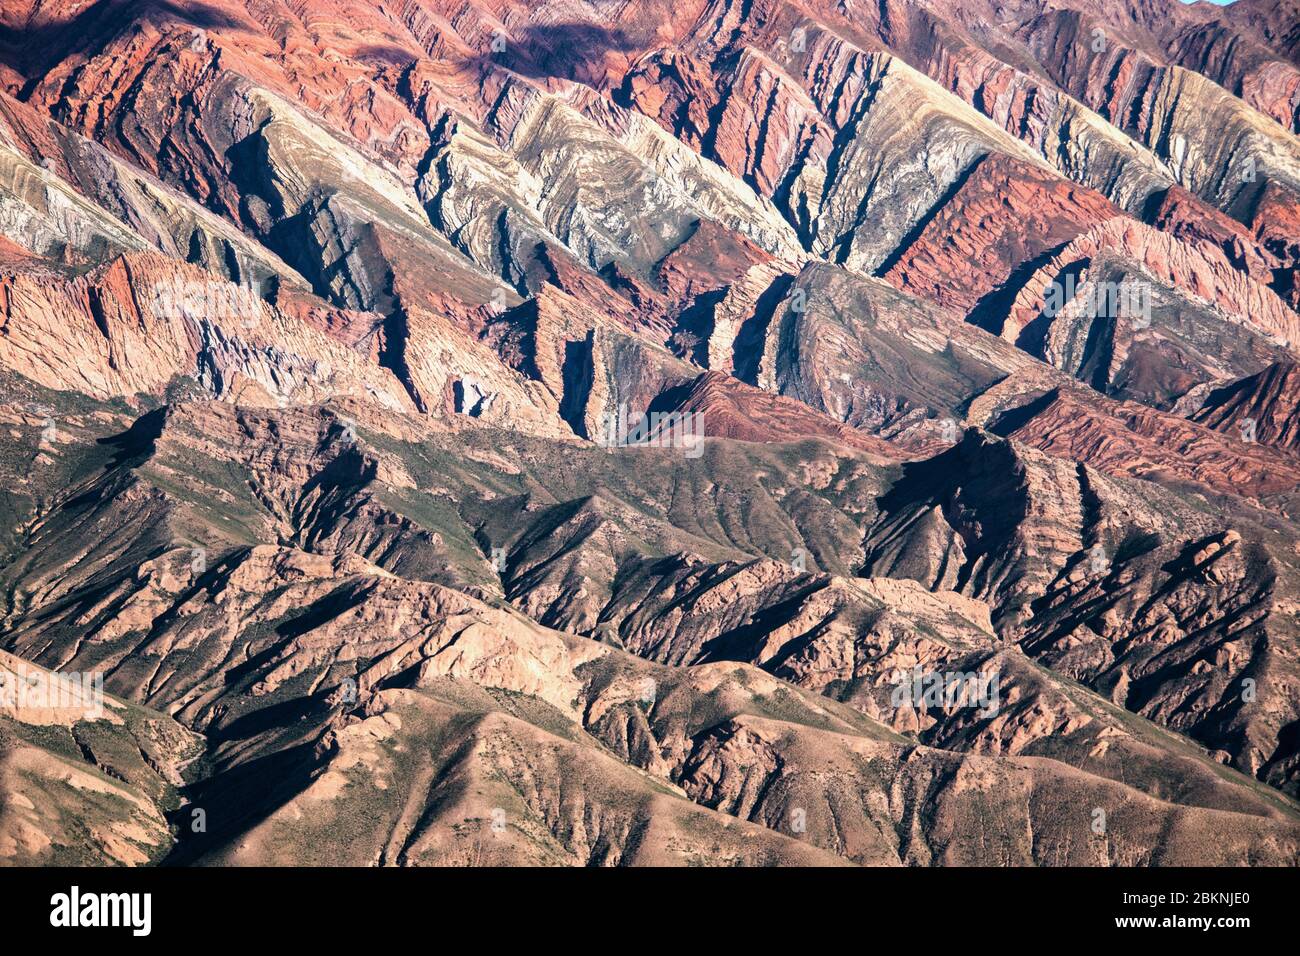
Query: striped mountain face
{"points": [[534, 432]]}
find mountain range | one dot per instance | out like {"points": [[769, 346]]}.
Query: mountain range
{"points": [[600, 432]]}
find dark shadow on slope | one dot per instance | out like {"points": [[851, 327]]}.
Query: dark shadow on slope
{"points": [[236, 800], [322, 611], [32, 51], [137, 442], [569, 51], [991, 311], [1012, 420], [747, 349], [915, 232], [577, 376]]}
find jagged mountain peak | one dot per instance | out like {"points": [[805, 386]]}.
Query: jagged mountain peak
{"points": [[605, 433]]}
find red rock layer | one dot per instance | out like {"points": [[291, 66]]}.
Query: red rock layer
{"points": [[1153, 445], [1005, 213], [1265, 407]]}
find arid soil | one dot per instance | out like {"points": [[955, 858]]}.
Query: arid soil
{"points": [[541, 432]]}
